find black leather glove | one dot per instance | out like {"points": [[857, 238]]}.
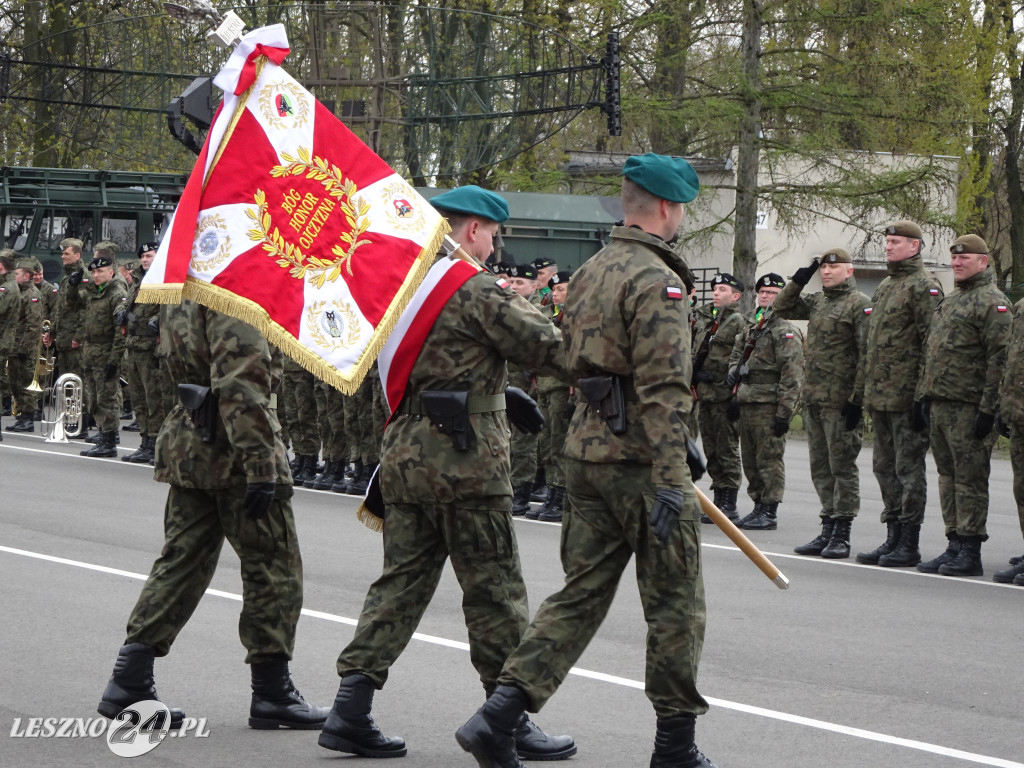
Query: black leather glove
{"points": [[258, 497], [121, 318], [664, 515], [154, 324], [109, 371], [983, 424], [75, 279], [852, 413], [694, 459], [1001, 426], [570, 410], [780, 426], [732, 410], [803, 275], [732, 378], [919, 415], [522, 411], [704, 376]]}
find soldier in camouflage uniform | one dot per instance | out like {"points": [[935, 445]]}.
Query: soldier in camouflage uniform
{"points": [[21, 362], [47, 290], [832, 392], [629, 489], [142, 328], [297, 388], [556, 404], [1011, 413], [235, 485], [719, 433], [901, 313], [767, 386], [524, 444], [964, 358], [103, 352], [68, 319], [446, 503], [10, 309]]}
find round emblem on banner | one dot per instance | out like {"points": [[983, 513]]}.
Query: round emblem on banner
{"points": [[333, 326], [211, 246], [284, 105], [403, 214]]}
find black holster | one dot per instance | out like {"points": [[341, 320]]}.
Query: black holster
{"points": [[449, 412], [202, 408], [604, 393]]}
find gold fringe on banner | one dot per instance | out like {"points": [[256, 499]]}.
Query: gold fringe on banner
{"points": [[370, 520]]}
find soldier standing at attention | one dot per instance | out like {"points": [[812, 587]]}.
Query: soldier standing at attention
{"points": [[102, 298], [629, 489], [716, 332], [964, 358], [1011, 412], [221, 452], [10, 308], [24, 353], [524, 445], [832, 392], [67, 322], [767, 365], [901, 314], [448, 493]]}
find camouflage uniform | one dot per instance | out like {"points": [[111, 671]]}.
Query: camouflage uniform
{"points": [[833, 377], [68, 320], [104, 346], [207, 489], [1011, 405], [964, 359], [142, 367], [770, 389], [10, 309], [626, 314], [49, 294], [719, 434], [21, 363], [442, 503], [524, 445]]}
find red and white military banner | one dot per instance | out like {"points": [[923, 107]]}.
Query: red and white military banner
{"points": [[291, 223]]}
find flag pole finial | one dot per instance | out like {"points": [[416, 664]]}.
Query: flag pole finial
{"points": [[225, 28]]}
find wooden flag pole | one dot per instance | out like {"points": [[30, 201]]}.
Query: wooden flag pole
{"points": [[740, 540]]}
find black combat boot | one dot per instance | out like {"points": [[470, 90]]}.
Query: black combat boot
{"points": [[307, 470], [892, 538], [551, 512], [1017, 559], [131, 682], [133, 427], [765, 519], [728, 505], [5, 408], [349, 727], [539, 488], [906, 553], [838, 546], [352, 478], [277, 704], [948, 556], [521, 499], [318, 472], [106, 447], [330, 476], [23, 423], [968, 559], [819, 542], [752, 514], [37, 414], [533, 744], [490, 734], [144, 452], [345, 475], [674, 745], [361, 483], [1008, 576], [717, 500]]}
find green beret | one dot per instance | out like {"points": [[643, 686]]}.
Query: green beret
{"points": [[969, 244], [724, 278], [905, 229], [473, 200], [72, 241], [670, 178], [100, 261], [836, 256]]}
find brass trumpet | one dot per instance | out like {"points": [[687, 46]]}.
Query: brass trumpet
{"points": [[44, 364]]}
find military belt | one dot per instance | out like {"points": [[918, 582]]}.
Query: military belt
{"points": [[762, 377], [411, 405]]}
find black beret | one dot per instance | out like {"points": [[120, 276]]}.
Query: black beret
{"points": [[543, 261], [146, 247], [527, 271], [559, 277], [770, 280], [100, 261], [724, 278]]}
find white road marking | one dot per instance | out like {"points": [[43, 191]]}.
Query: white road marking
{"points": [[809, 722]]}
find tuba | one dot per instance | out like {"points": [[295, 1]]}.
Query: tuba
{"points": [[65, 407]]}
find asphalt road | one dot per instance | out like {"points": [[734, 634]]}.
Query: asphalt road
{"points": [[852, 666]]}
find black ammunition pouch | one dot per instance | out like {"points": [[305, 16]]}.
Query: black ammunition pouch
{"points": [[605, 394], [449, 413], [202, 408]]}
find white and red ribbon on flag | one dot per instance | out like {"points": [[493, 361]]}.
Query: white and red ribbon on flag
{"points": [[291, 223]]}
